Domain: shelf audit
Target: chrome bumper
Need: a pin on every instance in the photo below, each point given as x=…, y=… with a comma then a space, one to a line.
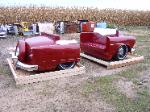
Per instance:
x=23, y=66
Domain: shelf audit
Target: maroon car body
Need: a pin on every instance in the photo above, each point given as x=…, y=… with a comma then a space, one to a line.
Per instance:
x=106, y=47
x=45, y=52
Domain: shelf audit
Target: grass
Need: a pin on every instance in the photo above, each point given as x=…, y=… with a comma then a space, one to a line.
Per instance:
x=4, y=70
x=110, y=94
x=104, y=86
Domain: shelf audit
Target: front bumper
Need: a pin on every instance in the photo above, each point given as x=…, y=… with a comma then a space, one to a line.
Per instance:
x=23, y=66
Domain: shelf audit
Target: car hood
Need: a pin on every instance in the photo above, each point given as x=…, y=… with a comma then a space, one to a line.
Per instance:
x=39, y=41
x=122, y=38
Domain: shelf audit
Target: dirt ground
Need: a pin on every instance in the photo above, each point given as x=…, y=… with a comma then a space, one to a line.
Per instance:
x=59, y=95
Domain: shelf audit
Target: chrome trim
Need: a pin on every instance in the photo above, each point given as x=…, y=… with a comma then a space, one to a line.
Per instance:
x=111, y=44
x=23, y=66
x=14, y=57
x=26, y=66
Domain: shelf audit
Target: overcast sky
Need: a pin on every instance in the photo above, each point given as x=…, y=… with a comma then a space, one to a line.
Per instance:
x=117, y=4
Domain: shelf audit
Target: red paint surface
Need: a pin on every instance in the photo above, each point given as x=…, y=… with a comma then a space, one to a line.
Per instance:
x=104, y=47
x=88, y=26
x=44, y=52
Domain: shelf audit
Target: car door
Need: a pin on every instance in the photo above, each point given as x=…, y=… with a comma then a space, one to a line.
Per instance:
x=99, y=44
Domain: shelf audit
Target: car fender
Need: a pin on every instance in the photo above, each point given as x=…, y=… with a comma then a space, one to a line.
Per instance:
x=22, y=48
x=114, y=47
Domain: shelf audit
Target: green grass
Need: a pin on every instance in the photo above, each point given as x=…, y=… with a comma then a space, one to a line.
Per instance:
x=4, y=70
x=105, y=87
x=110, y=94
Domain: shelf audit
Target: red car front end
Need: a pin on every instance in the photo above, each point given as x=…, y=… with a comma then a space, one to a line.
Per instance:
x=104, y=46
x=43, y=53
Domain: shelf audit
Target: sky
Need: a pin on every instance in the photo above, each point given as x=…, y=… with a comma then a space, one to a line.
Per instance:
x=101, y=4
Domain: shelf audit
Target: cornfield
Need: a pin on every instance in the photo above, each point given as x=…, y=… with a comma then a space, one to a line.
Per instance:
x=42, y=14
